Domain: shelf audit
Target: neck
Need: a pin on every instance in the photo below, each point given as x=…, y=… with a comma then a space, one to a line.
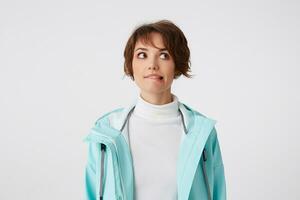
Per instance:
x=157, y=112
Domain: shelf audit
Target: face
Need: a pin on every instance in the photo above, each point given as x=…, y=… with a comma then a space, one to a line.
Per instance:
x=149, y=60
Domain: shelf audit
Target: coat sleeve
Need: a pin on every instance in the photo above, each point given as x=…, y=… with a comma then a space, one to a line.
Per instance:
x=90, y=173
x=219, y=190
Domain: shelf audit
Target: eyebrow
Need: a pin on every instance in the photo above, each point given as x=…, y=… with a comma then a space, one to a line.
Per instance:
x=145, y=49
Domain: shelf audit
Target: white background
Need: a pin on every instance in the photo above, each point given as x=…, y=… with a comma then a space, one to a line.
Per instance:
x=61, y=67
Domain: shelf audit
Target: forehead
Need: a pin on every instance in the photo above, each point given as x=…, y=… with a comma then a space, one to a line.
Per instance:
x=152, y=39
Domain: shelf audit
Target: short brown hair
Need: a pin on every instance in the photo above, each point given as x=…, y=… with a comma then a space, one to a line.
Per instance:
x=173, y=39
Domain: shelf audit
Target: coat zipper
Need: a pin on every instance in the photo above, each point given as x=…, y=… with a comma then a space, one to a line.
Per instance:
x=115, y=146
x=205, y=174
x=103, y=149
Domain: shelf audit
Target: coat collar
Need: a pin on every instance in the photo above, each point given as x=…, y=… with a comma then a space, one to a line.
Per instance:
x=118, y=117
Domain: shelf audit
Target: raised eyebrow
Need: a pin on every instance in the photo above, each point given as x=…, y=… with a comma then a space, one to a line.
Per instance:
x=145, y=49
x=141, y=49
x=163, y=49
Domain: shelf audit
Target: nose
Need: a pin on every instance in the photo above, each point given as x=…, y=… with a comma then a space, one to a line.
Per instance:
x=153, y=65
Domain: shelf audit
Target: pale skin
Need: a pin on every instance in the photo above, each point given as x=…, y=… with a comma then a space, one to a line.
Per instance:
x=150, y=60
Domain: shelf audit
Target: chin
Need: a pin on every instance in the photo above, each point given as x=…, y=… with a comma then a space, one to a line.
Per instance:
x=153, y=91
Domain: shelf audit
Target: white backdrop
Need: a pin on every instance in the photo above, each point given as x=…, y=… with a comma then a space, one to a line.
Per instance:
x=61, y=67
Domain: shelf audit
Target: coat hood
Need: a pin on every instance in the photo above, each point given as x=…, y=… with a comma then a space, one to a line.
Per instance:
x=116, y=119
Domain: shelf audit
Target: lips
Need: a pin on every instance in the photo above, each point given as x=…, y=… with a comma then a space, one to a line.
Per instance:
x=154, y=76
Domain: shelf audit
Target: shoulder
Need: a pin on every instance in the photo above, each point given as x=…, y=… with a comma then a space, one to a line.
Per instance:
x=107, y=115
x=196, y=112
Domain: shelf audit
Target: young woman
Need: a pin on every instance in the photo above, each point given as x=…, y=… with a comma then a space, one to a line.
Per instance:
x=157, y=147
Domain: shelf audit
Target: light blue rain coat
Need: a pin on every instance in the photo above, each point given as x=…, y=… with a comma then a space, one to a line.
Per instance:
x=109, y=170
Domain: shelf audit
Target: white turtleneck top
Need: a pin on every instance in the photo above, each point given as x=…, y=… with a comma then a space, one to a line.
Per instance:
x=154, y=136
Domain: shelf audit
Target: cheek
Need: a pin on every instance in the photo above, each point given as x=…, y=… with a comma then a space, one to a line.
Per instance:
x=170, y=74
x=135, y=63
x=170, y=70
x=134, y=67
x=136, y=70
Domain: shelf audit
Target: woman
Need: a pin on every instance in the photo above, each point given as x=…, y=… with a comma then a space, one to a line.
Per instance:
x=157, y=147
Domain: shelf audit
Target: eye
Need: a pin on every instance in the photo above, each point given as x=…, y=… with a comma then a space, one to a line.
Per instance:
x=165, y=55
x=141, y=53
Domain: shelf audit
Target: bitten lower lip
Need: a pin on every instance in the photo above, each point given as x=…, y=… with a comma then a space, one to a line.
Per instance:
x=154, y=78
